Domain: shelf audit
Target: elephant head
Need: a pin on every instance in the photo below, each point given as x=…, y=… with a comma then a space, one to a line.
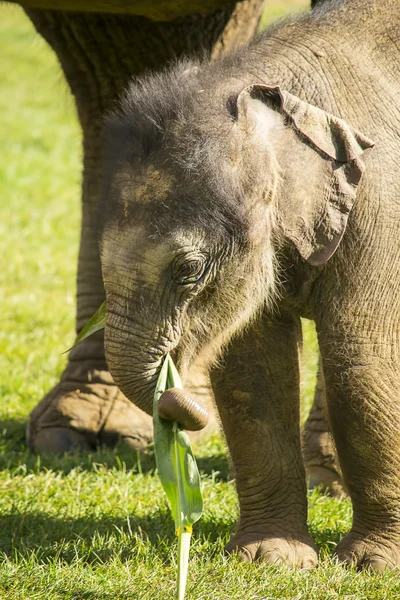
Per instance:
x=206, y=186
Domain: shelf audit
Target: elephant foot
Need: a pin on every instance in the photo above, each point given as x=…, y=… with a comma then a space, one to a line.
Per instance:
x=320, y=459
x=292, y=551
x=371, y=551
x=322, y=467
x=326, y=477
x=86, y=410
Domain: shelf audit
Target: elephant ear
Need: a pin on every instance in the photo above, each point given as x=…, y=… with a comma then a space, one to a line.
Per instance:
x=317, y=221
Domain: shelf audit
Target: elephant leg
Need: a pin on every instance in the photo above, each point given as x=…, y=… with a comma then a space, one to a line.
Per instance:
x=362, y=371
x=319, y=453
x=256, y=387
x=99, y=54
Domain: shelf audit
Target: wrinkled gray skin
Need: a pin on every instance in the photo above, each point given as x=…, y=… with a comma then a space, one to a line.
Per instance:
x=231, y=209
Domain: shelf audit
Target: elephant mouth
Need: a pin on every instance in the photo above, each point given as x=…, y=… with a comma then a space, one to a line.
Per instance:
x=182, y=359
x=174, y=354
x=139, y=387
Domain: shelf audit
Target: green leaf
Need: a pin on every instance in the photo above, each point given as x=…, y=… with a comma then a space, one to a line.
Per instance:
x=95, y=323
x=177, y=470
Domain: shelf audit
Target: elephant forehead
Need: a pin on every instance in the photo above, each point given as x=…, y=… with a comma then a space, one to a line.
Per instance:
x=141, y=186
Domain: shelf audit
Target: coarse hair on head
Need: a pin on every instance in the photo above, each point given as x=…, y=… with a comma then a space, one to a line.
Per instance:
x=185, y=120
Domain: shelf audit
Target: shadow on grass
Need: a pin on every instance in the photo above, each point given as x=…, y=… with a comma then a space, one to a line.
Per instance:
x=14, y=454
x=94, y=539
x=97, y=540
x=84, y=594
x=80, y=593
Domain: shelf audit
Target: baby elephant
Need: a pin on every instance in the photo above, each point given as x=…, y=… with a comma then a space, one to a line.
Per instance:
x=240, y=196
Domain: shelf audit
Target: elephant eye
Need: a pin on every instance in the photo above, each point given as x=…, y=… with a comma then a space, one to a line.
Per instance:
x=189, y=270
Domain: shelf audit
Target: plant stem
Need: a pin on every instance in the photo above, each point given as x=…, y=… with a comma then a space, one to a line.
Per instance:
x=183, y=536
x=183, y=563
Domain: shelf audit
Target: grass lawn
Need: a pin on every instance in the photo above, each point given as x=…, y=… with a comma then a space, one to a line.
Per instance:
x=97, y=527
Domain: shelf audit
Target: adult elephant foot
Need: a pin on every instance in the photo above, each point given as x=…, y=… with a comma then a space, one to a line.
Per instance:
x=86, y=409
x=320, y=458
x=97, y=413
x=292, y=551
x=375, y=551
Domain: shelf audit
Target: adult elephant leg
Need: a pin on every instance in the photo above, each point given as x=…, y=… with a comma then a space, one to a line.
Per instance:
x=319, y=453
x=99, y=54
x=257, y=393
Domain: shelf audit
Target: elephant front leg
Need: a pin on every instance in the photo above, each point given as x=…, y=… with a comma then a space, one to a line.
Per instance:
x=362, y=375
x=257, y=393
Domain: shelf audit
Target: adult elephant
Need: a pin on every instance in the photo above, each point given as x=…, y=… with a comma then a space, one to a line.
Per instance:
x=99, y=53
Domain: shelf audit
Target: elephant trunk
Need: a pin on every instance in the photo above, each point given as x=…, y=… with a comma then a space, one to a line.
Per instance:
x=135, y=368
x=176, y=405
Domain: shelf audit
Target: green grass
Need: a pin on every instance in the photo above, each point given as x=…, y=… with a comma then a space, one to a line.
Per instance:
x=97, y=526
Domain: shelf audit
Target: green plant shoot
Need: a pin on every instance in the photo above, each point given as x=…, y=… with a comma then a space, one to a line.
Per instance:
x=95, y=323
x=178, y=472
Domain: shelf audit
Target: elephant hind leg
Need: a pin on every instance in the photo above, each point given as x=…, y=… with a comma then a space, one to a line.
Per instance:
x=319, y=453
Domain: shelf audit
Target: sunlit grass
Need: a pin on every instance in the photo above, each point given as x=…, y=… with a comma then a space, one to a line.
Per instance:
x=97, y=526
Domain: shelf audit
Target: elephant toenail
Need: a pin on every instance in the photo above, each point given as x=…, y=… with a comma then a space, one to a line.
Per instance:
x=377, y=563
